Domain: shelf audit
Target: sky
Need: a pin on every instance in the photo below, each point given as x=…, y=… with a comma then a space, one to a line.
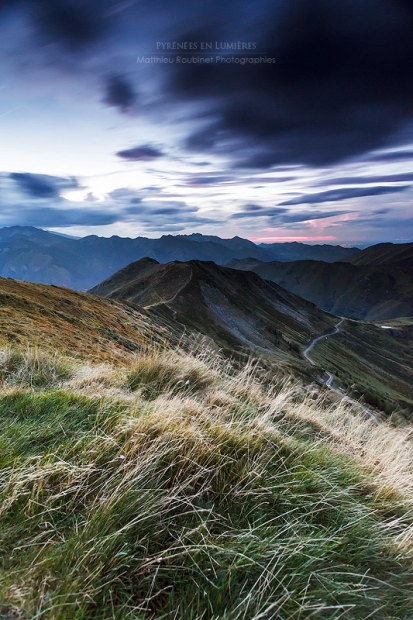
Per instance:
x=277, y=120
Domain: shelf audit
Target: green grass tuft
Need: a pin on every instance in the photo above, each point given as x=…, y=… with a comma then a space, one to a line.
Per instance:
x=166, y=372
x=34, y=368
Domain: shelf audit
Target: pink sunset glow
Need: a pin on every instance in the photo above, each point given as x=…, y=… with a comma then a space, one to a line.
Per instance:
x=295, y=238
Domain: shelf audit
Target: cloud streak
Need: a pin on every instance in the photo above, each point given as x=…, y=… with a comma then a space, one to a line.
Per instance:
x=279, y=215
x=336, y=195
x=42, y=185
x=146, y=152
x=405, y=177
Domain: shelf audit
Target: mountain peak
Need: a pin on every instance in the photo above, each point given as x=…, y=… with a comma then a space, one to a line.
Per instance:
x=237, y=309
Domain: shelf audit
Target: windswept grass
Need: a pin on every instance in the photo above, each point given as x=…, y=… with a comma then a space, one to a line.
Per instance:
x=34, y=368
x=156, y=372
x=176, y=487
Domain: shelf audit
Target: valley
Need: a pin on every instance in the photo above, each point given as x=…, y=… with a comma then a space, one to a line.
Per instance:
x=359, y=288
x=241, y=312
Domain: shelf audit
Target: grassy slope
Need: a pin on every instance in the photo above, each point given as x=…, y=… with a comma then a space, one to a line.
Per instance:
x=375, y=362
x=175, y=487
x=72, y=322
x=167, y=484
x=84, y=326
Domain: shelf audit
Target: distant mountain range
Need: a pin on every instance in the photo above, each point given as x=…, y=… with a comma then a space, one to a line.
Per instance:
x=373, y=284
x=32, y=254
x=284, y=252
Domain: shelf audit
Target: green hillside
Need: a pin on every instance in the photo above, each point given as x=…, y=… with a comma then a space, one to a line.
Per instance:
x=361, y=291
x=373, y=363
x=383, y=254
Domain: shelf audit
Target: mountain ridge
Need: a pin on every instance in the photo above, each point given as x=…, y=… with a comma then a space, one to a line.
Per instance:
x=294, y=250
x=383, y=254
x=240, y=307
x=28, y=253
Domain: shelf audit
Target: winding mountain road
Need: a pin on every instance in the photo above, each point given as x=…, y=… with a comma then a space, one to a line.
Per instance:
x=329, y=381
x=305, y=353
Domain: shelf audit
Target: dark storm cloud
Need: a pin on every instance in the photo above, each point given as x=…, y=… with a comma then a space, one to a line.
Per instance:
x=278, y=215
x=77, y=24
x=140, y=153
x=42, y=185
x=341, y=83
x=72, y=23
x=384, y=178
x=335, y=195
x=119, y=93
x=67, y=34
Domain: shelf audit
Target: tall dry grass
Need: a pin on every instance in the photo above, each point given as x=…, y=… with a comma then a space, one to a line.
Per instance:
x=180, y=487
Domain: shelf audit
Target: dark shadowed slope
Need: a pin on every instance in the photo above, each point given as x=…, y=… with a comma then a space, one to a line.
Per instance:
x=300, y=251
x=366, y=292
x=235, y=308
x=397, y=254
